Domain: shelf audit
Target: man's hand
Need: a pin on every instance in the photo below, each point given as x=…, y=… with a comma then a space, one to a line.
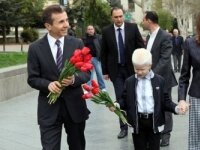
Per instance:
x=68, y=81
x=54, y=87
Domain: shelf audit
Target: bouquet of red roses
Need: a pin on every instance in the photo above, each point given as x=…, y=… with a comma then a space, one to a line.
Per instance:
x=80, y=61
x=102, y=97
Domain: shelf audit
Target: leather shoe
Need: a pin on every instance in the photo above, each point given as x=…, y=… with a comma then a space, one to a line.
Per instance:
x=122, y=134
x=164, y=143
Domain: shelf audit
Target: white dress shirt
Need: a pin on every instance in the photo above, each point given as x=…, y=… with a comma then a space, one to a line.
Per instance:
x=152, y=39
x=53, y=46
x=145, y=94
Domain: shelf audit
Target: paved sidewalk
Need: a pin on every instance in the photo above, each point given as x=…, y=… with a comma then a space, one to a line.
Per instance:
x=19, y=129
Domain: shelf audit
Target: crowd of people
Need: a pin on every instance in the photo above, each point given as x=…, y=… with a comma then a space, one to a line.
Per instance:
x=141, y=73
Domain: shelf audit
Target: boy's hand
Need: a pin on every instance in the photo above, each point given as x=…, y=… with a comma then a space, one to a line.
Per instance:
x=183, y=107
x=113, y=108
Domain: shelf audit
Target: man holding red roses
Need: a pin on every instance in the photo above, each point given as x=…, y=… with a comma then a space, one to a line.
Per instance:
x=46, y=58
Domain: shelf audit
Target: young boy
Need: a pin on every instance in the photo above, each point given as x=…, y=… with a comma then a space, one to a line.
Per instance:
x=145, y=102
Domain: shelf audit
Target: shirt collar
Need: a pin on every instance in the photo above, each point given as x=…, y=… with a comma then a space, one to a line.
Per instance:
x=52, y=40
x=154, y=33
x=148, y=76
x=122, y=27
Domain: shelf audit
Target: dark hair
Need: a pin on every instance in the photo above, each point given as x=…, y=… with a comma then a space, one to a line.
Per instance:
x=152, y=15
x=47, y=13
x=198, y=28
x=115, y=8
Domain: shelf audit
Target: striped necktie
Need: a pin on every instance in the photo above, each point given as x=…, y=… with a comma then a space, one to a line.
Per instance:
x=58, y=56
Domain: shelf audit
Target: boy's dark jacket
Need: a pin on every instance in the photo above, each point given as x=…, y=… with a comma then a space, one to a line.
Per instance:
x=162, y=102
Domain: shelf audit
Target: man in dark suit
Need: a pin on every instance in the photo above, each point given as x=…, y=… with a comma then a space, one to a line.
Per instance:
x=177, y=51
x=160, y=45
x=119, y=40
x=43, y=72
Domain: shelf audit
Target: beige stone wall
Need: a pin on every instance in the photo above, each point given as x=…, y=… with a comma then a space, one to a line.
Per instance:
x=13, y=82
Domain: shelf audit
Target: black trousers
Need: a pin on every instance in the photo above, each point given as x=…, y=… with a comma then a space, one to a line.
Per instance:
x=166, y=133
x=146, y=136
x=177, y=62
x=51, y=134
x=118, y=84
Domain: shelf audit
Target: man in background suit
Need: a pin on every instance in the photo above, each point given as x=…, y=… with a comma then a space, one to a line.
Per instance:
x=160, y=45
x=119, y=40
x=177, y=51
x=43, y=72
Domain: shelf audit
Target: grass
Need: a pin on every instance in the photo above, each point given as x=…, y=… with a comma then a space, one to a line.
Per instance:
x=12, y=58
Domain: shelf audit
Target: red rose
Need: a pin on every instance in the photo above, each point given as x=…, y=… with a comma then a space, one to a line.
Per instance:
x=85, y=50
x=78, y=58
x=95, y=91
x=87, y=87
x=78, y=64
x=77, y=52
x=87, y=96
x=88, y=66
x=72, y=60
x=87, y=57
x=94, y=84
x=83, y=69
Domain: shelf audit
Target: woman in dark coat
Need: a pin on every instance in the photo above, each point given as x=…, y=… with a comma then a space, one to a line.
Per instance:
x=191, y=71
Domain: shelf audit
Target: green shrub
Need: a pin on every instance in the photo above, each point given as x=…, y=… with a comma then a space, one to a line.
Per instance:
x=29, y=35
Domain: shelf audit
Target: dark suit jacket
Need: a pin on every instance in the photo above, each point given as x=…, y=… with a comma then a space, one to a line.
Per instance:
x=191, y=61
x=162, y=102
x=42, y=70
x=177, y=47
x=109, y=53
x=161, y=58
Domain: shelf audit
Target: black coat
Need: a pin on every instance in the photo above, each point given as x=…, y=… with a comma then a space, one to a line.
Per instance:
x=109, y=53
x=162, y=102
x=191, y=66
x=97, y=40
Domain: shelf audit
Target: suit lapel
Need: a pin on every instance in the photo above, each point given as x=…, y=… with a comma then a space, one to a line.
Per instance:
x=48, y=54
x=125, y=35
x=156, y=41
x=68, y=49
x=147, y=39
x=113, y=38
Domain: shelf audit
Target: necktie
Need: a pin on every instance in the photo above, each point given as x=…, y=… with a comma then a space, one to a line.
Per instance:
x=58, y=56
x=121, y=46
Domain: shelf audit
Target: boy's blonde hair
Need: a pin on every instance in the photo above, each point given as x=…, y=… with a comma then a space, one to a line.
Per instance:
x=141, y=56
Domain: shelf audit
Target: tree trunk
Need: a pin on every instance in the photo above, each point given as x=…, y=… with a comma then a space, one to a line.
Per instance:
x=16, y=34
x=137, y=3
x=4, y=38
